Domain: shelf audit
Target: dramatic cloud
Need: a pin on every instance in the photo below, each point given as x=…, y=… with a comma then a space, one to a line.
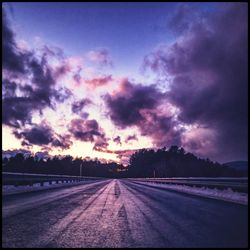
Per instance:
x=163, y=129
x=18, y=110
x=42, y=134
x=208, y=66
x=89, y=131
x=85, y=130
x=38, y=135
x=77, y=107
x=195, y=95
x=12, y=58
x=39, y=91
x=100, y=56
x=62, y=94
x=8, y=88
x=126, y=105
x=62, y=141
x=138, y=105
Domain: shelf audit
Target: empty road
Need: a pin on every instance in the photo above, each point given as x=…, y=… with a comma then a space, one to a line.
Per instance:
x=120, y=213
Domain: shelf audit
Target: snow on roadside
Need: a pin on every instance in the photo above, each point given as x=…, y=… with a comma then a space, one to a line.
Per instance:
x=225, y=195
x=11, y=189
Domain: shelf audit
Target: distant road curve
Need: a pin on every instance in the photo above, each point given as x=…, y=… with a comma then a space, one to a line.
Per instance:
x=120, y=213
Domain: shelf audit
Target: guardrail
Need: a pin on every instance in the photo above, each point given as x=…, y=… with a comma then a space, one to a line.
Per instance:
x=18, y=179
x=236, y=184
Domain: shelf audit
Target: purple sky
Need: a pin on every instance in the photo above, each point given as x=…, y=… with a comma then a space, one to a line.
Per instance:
x=104, y=79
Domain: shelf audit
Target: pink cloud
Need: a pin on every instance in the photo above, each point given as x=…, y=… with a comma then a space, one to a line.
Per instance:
x=98, y=81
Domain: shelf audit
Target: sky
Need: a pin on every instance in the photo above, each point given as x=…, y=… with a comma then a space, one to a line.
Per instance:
x=105, y=79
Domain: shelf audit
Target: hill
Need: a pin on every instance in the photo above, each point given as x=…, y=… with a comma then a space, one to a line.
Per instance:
x=238, y=165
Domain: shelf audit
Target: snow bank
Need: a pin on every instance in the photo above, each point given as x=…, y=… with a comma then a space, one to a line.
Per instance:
x=10, y=189
x=226, y=194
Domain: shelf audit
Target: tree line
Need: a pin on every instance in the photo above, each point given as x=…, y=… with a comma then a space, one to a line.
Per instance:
x=174, y=162
x=59, y=166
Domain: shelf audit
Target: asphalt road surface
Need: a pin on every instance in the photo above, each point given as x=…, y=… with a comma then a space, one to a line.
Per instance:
x=120, y=213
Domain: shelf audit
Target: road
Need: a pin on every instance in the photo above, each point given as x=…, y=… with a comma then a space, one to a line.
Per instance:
x=120, y=213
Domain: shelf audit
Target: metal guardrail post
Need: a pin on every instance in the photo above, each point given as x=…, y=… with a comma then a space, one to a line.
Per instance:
x=29, y=179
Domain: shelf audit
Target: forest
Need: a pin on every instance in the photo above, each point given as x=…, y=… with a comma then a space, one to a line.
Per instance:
x=172, y=162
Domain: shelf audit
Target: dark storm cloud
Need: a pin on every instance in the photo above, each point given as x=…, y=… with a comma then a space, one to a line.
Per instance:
x=62, y=94
x=38, y=135
x=41, y=72
x=137, y=105
x=38, y=92
x=8, y=88
x=12, y=58
x=84, y=130
x=61, y=70
x=42, y=134
x=62, y=141
x=162, y=129
x=89, y=131
x=77, y=106
x=17, y=111
x=209, y=68
x=125, y=107
x=44, y=78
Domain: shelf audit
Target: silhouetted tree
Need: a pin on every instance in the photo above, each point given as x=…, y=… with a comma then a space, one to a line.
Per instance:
x=174, y=162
